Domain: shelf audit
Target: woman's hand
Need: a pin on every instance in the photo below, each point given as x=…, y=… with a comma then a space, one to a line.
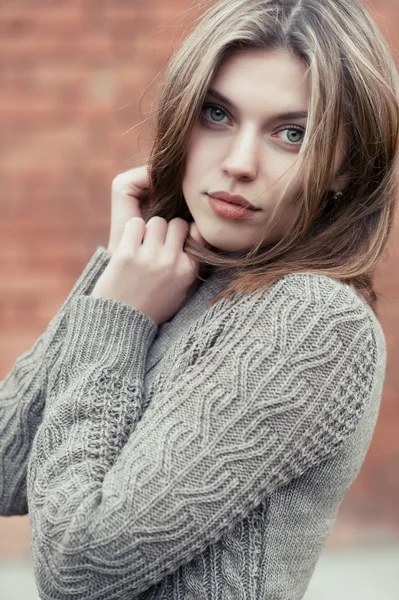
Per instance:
x=149, y=269
x=128, y=200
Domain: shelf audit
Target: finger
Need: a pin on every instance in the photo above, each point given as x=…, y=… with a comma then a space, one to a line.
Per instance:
x=155, y=232
x=132, y=187
x=178, y=230
x=133, y=234
x=136, y=180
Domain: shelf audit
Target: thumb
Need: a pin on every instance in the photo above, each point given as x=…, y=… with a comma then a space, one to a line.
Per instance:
x=195, y=234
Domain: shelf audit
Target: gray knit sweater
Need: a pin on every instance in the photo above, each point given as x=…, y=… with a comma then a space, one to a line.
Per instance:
x=204, y=459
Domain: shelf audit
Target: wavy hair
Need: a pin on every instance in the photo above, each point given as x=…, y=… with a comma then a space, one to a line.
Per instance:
x=354, y=85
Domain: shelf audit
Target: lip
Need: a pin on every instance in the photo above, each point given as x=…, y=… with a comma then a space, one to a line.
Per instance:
x=230, y=211
x=233, y=199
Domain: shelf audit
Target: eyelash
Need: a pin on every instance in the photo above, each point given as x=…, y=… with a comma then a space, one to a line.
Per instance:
x=291, y=127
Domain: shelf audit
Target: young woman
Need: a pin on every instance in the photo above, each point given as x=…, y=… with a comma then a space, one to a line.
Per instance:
x=189, y=423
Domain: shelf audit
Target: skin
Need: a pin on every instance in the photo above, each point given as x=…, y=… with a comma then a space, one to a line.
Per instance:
x=241, y=149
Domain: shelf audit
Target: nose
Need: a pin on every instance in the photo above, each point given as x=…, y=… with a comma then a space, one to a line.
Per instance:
x=241, y=161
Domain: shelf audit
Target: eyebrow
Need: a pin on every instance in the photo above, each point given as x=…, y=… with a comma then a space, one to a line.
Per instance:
x=301, y=114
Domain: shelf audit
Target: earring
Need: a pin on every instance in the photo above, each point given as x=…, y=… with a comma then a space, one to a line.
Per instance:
x=338, y=196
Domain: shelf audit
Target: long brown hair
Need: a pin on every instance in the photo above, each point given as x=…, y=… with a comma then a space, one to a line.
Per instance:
x=354, y=84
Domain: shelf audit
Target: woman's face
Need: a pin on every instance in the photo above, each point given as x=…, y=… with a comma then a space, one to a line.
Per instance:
x=245, y=143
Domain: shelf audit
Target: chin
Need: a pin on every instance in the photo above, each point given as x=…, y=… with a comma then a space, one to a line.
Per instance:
x=217, y=243
x=218, y=235
x=231, y=248
x=228, y=248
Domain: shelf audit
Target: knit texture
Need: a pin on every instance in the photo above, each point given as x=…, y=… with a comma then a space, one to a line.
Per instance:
x=205, y=458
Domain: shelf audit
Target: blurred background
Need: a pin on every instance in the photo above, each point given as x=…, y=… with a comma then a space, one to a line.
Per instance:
x=78, y=79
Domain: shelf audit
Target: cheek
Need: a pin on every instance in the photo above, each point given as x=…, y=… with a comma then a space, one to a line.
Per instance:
x=197, y=158
x=191, y=162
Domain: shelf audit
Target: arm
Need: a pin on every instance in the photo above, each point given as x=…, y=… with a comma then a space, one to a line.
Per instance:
x=262, y=391
x=23, y=394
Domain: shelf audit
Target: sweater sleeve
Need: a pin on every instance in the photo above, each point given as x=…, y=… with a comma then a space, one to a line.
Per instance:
x=23, y=394
x=119, y=498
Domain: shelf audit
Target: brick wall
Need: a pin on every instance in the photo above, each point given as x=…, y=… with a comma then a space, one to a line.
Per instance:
x=72, y=81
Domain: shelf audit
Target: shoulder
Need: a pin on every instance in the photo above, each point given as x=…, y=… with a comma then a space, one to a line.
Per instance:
x=308, y=306
x=315, y=310
x=320, y=289
x=322, y=313
x=324, y=296
x=336, y=299
x=318, y=294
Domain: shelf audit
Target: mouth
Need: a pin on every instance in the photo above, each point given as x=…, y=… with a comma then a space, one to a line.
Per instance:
x=233, y=199
x=230, y=210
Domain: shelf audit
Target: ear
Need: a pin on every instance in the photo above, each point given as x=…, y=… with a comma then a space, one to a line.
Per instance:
x=340, y=182
x=342, y=174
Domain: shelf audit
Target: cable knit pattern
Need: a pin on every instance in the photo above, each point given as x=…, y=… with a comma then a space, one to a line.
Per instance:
x=170, y=460
x=23, y=393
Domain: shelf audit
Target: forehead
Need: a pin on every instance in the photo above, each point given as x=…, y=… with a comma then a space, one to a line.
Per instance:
x=263, y=83
x=273, y=78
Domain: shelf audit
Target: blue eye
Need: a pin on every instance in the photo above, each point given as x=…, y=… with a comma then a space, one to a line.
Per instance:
x=214, y=108
x=217, y=114
x=297, y=130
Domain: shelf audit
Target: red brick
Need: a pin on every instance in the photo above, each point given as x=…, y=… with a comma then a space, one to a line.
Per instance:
x=14, y=536
x=29, y=22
